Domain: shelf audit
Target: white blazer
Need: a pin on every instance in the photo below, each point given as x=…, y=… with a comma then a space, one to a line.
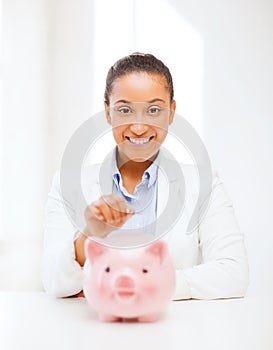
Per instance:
x=210, y=261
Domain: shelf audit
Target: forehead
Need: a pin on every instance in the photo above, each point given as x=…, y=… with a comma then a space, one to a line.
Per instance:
x=140, y=87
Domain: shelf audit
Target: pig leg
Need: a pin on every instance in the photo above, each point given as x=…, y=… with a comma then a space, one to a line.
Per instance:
x=108, y=318
x=148, y=318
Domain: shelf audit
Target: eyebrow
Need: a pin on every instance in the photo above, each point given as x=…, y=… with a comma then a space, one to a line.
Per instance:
x=151, y=101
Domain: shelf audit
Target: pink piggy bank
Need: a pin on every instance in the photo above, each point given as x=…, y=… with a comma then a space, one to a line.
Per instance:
x=128, y=283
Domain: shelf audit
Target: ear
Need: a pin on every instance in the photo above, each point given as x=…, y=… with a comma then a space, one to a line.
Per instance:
x=158, y=249
x=172, y=111
x=107, y=113
x=93, y=250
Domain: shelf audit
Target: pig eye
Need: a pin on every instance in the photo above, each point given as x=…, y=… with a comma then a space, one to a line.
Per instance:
x=107, y=269
x=144, y=270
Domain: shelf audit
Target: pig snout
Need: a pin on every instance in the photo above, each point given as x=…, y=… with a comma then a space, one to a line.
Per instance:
x=124, y=288
x=125, y=282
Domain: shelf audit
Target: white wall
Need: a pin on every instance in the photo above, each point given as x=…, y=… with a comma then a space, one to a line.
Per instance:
x=23, y=141
x=46, y=84
x=238, y=114
x=71, y=71
x=24, y=85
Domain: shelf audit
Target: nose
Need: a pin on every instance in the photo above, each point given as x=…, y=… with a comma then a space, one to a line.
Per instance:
x=139, y=128
x=124, y=282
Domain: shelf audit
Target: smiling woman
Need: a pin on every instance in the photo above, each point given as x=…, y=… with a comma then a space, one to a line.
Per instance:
x=139, y=106
x=211, y=261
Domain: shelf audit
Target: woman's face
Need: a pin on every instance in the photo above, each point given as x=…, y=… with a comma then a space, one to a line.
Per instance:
x=140, y=112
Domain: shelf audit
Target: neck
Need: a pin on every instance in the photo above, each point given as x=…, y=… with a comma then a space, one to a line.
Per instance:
x=132, y=168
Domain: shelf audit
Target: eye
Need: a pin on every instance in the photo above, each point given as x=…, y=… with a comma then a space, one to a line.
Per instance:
x=144, y=270
x=107, y=269
x=124, y=110
x=154, y=110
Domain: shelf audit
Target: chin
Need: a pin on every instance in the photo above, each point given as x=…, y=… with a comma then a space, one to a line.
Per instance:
x=139, y=156
x=142, y=158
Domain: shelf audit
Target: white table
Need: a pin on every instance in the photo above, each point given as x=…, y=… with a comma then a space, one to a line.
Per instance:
x=34, y=320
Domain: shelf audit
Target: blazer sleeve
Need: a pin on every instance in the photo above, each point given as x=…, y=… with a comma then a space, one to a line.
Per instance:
x=223, y=271
x=62, y=275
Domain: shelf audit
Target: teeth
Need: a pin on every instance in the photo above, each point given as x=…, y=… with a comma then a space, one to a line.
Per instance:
x=139, y=141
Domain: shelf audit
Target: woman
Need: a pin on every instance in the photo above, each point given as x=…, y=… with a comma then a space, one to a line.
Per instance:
x=210, y=262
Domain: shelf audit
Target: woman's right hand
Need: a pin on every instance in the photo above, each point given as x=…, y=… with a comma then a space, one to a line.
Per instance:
x=106, y=214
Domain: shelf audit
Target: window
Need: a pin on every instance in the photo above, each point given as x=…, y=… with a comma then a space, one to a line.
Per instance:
x=155, y=27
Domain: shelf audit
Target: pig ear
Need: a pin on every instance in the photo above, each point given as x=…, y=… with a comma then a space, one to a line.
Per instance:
x=159, y=249
x=93, y=250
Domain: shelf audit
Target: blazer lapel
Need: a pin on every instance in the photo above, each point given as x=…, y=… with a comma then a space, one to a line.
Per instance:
x=170, y=182
x=163, y=192
x=97, y=180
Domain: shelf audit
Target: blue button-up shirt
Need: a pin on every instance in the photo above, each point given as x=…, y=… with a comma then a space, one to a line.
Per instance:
x=143, y=200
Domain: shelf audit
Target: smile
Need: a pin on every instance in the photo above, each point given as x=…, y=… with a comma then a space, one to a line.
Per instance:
x=139, y=141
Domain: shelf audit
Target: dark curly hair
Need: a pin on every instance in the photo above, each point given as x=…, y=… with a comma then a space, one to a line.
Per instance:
x=137, y=62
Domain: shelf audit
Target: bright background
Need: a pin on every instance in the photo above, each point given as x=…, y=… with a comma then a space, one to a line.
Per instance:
x=54, y=58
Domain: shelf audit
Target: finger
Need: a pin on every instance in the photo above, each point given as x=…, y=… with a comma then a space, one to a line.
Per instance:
x=96, y=211
x=110, y=209
x=125, y=208
x=123, y=205
x=113, y=205
x=120, y=205
x=126, y=211
x=92, y=211
x=122, y=209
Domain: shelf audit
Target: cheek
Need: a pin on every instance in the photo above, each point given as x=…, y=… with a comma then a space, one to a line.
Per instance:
x=104, y=282
x=149, y=285
x=162, y=133
x=117, y=133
